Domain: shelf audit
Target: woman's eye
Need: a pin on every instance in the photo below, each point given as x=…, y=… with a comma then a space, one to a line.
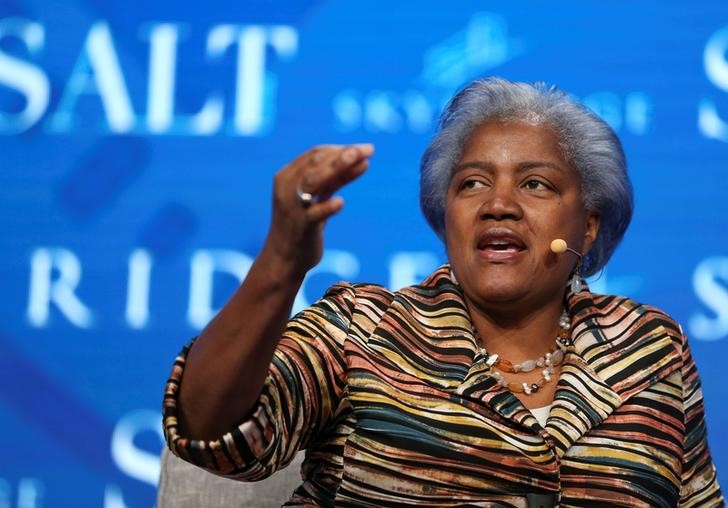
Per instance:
x=536, y=185
x=471, y=183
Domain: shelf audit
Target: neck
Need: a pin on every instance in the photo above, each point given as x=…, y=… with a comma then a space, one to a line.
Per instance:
x=517, y=334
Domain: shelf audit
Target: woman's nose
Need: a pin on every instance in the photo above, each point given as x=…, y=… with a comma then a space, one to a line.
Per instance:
x=501, y=204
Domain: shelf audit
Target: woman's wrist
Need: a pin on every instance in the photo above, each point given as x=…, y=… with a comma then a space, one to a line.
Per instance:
x=280, y=269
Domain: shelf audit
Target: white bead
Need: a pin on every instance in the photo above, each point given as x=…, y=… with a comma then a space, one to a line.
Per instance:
x=558, y=357
x=528, y=366
x=564, y=322
x=527, y=388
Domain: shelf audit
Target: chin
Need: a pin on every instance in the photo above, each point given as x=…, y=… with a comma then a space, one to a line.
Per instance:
x=499, y=293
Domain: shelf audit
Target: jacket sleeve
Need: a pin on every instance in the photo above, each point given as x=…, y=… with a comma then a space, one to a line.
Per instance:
x=699, y=484
x=301, y=395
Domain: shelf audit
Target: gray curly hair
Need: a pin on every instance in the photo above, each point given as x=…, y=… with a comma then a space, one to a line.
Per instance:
x=589, y=144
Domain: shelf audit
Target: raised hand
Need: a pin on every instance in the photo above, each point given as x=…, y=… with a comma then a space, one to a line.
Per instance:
x=302, y=201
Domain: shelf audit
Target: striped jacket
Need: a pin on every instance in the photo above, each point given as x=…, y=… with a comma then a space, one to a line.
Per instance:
x=391, y=398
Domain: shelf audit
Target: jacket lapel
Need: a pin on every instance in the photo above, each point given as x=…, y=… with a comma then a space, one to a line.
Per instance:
x=619, y=348
x=582, y=401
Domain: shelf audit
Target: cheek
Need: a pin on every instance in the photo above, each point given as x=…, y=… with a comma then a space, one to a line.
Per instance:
x=571, y=221
x=454, y=243
x=453, y=226
x=456, y=240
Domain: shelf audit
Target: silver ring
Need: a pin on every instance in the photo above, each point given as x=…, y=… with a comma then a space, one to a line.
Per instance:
x=305, y=198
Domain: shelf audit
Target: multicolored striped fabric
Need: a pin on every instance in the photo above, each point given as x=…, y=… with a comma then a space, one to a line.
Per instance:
x=395, y=406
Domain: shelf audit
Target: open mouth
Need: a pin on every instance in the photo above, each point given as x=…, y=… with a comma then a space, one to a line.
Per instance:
x=504, y=242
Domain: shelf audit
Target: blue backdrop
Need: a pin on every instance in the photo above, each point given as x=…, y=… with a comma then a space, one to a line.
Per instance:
x=137, y=145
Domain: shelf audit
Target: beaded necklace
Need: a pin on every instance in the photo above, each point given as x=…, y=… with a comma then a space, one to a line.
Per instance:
x=546, y=362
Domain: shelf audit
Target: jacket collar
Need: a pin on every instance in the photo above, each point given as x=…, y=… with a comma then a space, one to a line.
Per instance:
x=619, y=348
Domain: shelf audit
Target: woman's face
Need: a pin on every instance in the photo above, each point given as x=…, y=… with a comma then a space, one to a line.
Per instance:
x=510, y=195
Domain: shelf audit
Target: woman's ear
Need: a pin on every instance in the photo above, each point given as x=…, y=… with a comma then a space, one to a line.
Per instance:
x=592, y=229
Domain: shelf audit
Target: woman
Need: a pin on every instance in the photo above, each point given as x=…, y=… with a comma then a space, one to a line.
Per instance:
x=499, y=380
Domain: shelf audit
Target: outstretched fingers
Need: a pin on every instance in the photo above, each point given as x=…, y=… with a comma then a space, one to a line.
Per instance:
x=303, y=200
x=330, y=168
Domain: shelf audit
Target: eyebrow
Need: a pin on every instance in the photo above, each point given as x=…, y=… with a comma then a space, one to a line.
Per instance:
x=522, y=166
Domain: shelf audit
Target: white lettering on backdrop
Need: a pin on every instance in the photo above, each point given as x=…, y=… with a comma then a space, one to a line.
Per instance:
x=99, y=72
x=56, y=277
